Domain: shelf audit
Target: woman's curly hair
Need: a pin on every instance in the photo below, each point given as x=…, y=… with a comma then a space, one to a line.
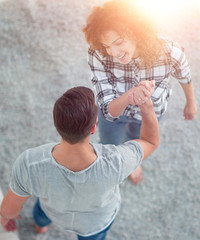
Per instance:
x=127, y=19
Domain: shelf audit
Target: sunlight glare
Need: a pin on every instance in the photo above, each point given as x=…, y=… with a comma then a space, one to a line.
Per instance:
x=198, y=3
x=162, y=8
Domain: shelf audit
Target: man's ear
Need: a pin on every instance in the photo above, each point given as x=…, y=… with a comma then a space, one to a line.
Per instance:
x=94, y=127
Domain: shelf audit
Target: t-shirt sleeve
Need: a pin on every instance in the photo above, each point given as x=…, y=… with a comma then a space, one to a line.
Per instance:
x=20, y=181
x=131, y=155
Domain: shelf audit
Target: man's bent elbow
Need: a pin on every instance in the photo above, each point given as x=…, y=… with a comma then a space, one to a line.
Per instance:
x=156, y=144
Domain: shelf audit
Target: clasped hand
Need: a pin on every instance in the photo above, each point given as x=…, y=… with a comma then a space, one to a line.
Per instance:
x=142, y=93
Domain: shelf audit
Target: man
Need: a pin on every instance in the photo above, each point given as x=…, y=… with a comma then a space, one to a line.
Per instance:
x=76, y=182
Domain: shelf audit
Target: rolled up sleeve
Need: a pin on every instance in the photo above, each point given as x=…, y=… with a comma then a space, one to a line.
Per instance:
x=180, y=65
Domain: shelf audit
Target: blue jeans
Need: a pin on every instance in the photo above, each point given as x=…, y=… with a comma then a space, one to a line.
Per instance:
x=99, y=236
x=39, y=215
x=119, y=131
x=42, y=220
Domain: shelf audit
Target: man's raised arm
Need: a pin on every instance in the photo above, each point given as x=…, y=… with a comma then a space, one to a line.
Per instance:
x=149, y=132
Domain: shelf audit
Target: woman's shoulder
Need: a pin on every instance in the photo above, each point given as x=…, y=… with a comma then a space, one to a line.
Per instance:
x=170, y=45
x=94, y=53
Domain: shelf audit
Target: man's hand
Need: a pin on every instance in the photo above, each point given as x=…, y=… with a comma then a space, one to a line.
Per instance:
x=9, y=224
x=10, y=210
x=141, y=93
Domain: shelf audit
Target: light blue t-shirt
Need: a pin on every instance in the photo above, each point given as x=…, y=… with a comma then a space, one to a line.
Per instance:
x=84, y=202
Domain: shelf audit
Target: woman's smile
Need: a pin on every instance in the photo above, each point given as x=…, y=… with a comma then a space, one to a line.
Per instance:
x=120, y=48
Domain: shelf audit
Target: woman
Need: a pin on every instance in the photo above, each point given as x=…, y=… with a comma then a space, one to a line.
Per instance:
x=125, y=50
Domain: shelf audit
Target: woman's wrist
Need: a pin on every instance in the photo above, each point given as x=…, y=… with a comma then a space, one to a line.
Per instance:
x=118, y=105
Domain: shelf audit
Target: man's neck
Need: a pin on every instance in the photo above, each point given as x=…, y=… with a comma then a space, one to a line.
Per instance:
x=75, y=157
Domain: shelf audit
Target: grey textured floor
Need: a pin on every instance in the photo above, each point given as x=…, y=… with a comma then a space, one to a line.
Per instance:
x=43, y=53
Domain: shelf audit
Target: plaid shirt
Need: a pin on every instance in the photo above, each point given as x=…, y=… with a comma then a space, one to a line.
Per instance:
x=111, y=79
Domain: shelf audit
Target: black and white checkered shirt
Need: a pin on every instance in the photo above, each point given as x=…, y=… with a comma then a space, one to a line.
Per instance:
x=111, y=79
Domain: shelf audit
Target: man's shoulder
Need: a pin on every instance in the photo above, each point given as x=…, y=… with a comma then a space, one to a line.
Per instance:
x=37, y=153
x=109, y=149
x=121, y=159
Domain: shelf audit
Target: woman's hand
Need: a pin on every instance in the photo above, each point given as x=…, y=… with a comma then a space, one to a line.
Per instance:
x=134, y=96
x=190, y=111
x=140, y=94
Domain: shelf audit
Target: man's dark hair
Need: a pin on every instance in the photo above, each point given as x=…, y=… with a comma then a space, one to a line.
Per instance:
x=74, y=114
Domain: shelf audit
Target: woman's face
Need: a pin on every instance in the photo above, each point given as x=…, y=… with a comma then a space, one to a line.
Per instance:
x=119, y=47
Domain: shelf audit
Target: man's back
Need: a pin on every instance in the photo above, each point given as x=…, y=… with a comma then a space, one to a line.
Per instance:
x=73, y=198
